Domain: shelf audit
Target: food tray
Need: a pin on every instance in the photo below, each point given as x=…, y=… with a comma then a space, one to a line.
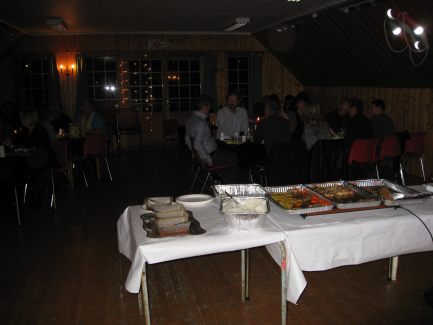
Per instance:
x=252, y=190
x=394, y=188
x=153, y=231
x=359, y=194
x=157, y=201
x=280, y=189
x=165, y=208
x=244, y=221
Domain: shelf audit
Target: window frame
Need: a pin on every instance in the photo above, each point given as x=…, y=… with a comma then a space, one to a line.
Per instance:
x=44, y=87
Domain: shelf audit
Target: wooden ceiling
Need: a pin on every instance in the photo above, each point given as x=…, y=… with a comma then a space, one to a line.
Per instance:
x=336, y=49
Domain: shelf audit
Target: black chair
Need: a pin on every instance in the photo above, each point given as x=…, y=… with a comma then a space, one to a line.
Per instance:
x=7, y=178
x=327, y=161
x=287, y=163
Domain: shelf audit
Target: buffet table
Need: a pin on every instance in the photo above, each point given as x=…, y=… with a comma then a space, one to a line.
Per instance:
x=323, y=242
x=135, y=245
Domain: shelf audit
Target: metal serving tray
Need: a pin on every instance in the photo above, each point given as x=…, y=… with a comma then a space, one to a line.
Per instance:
x=359, y=193
x=252, y=190
x=394, y=188
x=281, y=189
x=245, y=220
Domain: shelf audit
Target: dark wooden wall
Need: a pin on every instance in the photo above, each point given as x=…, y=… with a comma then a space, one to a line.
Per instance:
x=276, y=78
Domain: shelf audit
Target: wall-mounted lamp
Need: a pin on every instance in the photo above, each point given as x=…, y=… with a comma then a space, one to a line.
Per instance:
x=67, y=71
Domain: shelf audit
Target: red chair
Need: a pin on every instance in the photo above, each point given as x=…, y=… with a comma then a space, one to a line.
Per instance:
x=363, y=153
x=414, y=148
x=128, y=123
x=390, y=151
x=95, y=146
x=60, y=148
x=203, y=165
x=169, y=134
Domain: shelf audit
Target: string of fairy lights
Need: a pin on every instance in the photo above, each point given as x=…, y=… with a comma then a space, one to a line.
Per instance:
x=125, y=85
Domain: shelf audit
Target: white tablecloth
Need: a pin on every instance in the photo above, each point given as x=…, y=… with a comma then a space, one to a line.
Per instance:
x=140, y=249
x=324, y=242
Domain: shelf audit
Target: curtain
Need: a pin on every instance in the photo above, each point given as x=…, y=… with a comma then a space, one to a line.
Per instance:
x=209, y=77
x=255, y=80
x=54, y=93
x=20, y=95
x=80, y=75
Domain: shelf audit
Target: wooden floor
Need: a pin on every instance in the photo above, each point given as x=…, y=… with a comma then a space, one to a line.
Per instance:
x=63, y=267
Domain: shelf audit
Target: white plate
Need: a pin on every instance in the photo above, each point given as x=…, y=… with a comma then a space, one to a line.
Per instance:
x=194, y=199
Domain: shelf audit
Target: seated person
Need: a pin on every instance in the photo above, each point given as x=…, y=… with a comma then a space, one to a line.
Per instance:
x=358, y=125
x=11, y=115
x=273, y=128
x=297, y=106
x=232, y=118
x=31, y=167
x=337, y=118
x=58, y=119
x=93, y=120
x=44, y=120
x=315, y=126
x=382, y=124
x=197, y=127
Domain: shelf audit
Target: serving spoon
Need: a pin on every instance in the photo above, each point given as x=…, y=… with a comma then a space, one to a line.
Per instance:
x=232, y=197
x=398, y=196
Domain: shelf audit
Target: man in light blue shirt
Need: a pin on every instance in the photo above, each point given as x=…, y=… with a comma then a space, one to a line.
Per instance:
x=197, y=127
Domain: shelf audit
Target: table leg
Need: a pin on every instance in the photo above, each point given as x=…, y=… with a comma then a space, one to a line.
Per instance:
x=98, y=170
x=70, y=174
x=144, y=300
x=283, y=285
x=392, y=268
x=243, y=273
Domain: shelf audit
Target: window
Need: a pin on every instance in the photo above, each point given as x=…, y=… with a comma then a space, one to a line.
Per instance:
x=101, y=78
x=183, y=83
x=145, y=85
x=238, y=75
x=35, y=80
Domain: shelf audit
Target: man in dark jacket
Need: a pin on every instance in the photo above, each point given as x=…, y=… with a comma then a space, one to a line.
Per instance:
x=358, y=126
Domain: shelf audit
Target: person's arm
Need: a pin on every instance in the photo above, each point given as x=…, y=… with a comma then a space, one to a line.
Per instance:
x=245, y=125
x=199, y=135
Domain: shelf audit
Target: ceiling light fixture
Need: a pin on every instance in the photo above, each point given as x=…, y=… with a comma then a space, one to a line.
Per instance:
x=293, y=0
x=57, y=24
x=239, y=23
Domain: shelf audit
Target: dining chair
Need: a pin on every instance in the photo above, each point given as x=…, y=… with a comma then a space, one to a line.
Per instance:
x=95, y=146
x=362, y=154
x=60, y=147
x=390, y=151
x=414, y=148
x=8, y=178
x=211, y=170
x=128, y=123
x=169, y=134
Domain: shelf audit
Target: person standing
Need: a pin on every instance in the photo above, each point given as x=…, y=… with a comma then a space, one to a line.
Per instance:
x=232, y=118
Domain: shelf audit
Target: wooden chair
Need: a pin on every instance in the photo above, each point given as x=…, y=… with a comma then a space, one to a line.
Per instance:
x=391, y=151
x=414, y=148
x=203, y=165
x=363, y=153
x=169, y=134
x=128, y=123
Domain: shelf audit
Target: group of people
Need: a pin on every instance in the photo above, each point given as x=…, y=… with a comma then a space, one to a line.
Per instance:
x=35, y=129
x=297, y=118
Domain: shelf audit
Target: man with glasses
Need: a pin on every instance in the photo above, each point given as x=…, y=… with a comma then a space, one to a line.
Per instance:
x=358, y=126
x=337, y=119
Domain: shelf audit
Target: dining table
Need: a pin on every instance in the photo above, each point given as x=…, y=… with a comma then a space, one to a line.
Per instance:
x=315, y=243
